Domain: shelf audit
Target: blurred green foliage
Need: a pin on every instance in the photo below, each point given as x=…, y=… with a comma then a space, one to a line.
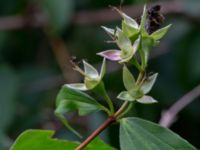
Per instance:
x=30, y=76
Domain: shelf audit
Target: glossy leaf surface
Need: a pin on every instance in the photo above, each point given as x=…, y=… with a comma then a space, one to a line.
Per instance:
x=139, y=134
x=42, y=140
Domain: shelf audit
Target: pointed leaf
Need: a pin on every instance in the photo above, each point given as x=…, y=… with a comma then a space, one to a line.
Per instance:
x=76, y=100
x=69, y=100
x=143, y=19
x=128, y=30
x=113, y=55
x=90, y=70
x=148, y=83
x=77, y=86
x=109, y=30
x=42, y=140
x=157, y=35
x=128, y=78
x=146, y=100
x=129, y=21
x=139, y=134
x=125, y=96
x=59, y=112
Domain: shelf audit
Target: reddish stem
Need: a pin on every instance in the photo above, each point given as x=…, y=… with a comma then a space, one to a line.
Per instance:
x=106, y=123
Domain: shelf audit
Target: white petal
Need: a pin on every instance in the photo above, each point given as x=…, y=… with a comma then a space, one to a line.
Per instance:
x=77, y=86
x=146, y=100
x=109, y=30
x=113, y=55
x=90, y=70
x=130, y=21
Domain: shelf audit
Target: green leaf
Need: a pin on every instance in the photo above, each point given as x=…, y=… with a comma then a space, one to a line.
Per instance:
x=143, y=21
x=148, y=83
x=128, y=78
x=76, y=100
x=139, y=134
x=42, y=140
x=98, y=144
x=69, y=100
x=59, y=13
x=109, y=30
x=146, y=100
x=125, y=96
x=157, y=35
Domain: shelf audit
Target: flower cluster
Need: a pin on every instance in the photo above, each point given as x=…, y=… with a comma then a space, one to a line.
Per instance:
x=134, y=44
x=132, y=38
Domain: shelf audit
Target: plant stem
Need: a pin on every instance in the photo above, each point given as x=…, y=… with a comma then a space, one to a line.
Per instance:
x=130, y=105
x=105, y=109
x=100, y=89
x=136, y=64
x=103, y=126
x=119, y=113
x=121, y=109
x=106, y=123
x=109, y=101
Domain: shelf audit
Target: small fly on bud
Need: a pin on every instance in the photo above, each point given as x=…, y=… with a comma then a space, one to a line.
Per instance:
x=155, y=19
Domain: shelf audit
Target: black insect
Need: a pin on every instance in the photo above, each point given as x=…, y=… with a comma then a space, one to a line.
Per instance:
x=154, y=19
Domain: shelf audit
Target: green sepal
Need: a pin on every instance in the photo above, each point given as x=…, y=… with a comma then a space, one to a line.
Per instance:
x=148, y=83
x=128, y=78
x=125, y=96
x=128, y=30
x=136, y=92
x=143, y=22
x=157, y=35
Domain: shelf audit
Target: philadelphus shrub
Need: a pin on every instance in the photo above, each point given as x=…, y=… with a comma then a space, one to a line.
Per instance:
x=134, y=41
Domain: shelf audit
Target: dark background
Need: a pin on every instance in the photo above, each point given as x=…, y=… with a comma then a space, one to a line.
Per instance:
x=37, y=39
